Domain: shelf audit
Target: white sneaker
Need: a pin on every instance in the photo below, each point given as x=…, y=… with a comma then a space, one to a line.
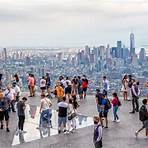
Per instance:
x=113, y=120
x=118, y=121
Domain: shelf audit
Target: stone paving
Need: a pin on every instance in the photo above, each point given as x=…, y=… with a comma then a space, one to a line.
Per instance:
x=117, y=135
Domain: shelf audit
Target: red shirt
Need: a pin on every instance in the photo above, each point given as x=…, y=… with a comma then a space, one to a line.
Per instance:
x=115, y=101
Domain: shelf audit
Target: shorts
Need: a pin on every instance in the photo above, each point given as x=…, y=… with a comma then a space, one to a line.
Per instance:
x=84, y=89
x=43, y=88
x=103, y=114
x=68, y=90
x=5, y=115
x=145, y=124
x=62, y=120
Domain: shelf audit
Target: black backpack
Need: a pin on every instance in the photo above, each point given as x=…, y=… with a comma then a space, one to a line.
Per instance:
x=142, y=113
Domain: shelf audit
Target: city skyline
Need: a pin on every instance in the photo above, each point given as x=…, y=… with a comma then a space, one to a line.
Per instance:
x=72, y=23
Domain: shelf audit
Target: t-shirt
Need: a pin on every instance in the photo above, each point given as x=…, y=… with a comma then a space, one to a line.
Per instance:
x=104, y=103
x=62, y=109
x=99, y=97
x=10, y=94
x=85, y=83
x=42, y=83
x=46, y=102
x=106, y=85
x=21, y=108
x=31, y=81
x=60, y=91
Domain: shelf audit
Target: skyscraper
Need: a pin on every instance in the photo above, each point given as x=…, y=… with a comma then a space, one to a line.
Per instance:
x=5, y=54
x=142, y=56
x=132, y=44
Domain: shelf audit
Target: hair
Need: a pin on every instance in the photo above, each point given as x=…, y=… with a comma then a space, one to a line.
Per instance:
x=70, y=101
x=75, y=103
x=43, y=95
x=137, y=83
x=24, y=98
x=64, y=98
x=16, y=77
x=144, y=101
x=43, y=77
x=96, y=118
x=97, y=90
x=104, y=77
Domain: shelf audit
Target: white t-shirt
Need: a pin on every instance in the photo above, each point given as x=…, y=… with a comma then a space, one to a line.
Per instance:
x=17, y=90
x=42, y=83
x=11, y=94
x=46, y=102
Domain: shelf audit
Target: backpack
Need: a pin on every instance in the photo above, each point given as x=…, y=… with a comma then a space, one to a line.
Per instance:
x=142, y=112
x=108, y=105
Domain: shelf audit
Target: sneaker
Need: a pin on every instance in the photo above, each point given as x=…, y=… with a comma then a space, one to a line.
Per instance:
x=118, y=121
x=136, y=133
x=23, y=132
x=113, y=120
x=2, y=126
x=7, y=130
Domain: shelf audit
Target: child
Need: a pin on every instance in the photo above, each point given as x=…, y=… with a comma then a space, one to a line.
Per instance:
x=116, y=103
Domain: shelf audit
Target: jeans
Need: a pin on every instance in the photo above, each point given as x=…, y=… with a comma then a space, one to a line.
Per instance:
x=45, y=117
x=21, y=122
x=115, y=109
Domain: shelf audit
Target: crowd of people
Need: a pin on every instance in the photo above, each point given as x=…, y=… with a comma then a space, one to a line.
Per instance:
x=67, y=91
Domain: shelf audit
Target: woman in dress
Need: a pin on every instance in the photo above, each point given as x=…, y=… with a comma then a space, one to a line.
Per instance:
x=125, y=87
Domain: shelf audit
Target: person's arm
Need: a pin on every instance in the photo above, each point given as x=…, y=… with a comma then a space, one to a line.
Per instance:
x=41, y=106
x=100, y=133
x=133, y=90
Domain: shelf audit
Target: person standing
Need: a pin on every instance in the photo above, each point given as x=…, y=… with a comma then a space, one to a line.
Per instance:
x=59, y=91
x=48, y=85
x=17, y=91
x=124, y=88
x=31, y=85
x=135, y=97
x=105, y=85
x=21, y=114
x=4, y=110
x=98, y=133
x=105, y=106
x=43, y=85
x=98, y=97
x=84, y=86
x=62, y=115
x=45, y=111
x=116, y=103
x=10, y=94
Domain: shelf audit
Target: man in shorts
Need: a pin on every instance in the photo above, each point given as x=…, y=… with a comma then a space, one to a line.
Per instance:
x=62, y=114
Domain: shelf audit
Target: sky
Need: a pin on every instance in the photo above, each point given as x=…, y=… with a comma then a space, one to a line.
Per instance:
x=72, y=23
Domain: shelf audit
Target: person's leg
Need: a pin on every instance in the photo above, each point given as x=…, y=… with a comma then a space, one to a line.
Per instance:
x=59, y=124
x=116, y=110
x=114, y=113
x=101, y=121
x=74, y=123
x=22, y=123
x=124, y=96
x=6, y=114
x=137, y=104
x=138, y=131
x=133, y=105
x=1, y=119
x=147, y=132
x=19, y=122
x=12, y=105
x=64, y=123
x=97, y=145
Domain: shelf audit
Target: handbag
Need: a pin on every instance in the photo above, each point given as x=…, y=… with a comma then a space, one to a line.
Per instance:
x=70, y=117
